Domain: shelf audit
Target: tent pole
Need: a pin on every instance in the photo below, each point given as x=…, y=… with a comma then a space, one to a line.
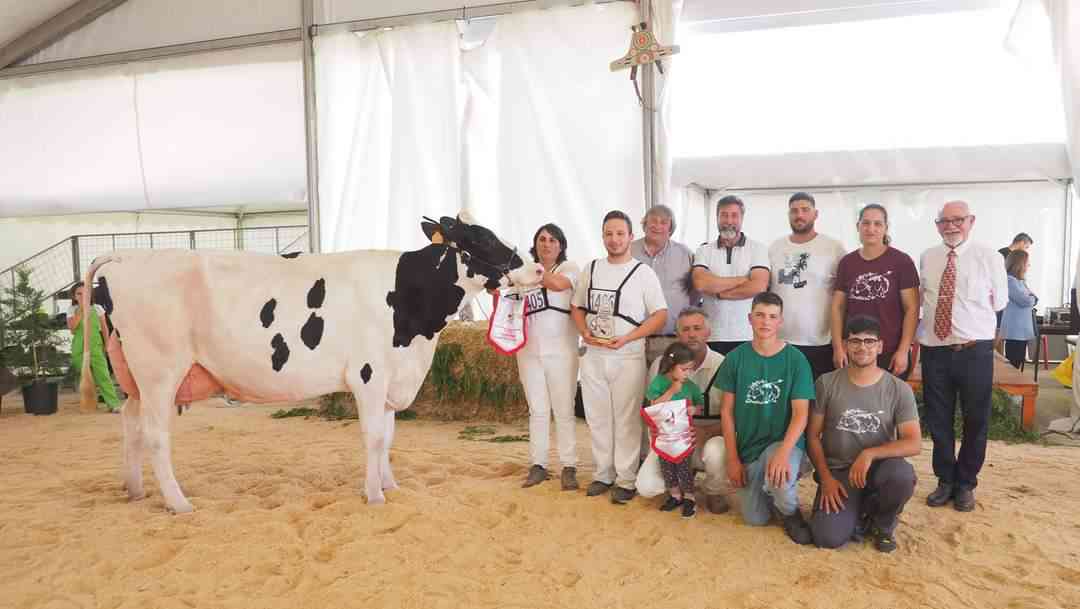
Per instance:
x=1070, y=217
x=307, y=8
x=648, y=118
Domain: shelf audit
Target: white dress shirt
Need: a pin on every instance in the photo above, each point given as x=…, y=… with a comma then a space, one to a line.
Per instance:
x=982, y=289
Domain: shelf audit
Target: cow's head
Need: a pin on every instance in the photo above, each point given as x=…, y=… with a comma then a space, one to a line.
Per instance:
x=482, y=253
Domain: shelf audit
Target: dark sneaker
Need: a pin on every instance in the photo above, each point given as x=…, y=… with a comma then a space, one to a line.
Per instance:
x=796, y=528
x=717, y=504
x=537, y=474
x=964, y=500
x=941, y=495
x=670, y=504
x=862, y=527
x=569, y=479
x=884, y=542
x=688, y=508
x=620, y=495
x=597, y=488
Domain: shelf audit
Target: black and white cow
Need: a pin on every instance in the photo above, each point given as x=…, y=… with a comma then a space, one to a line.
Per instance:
x=264, y=328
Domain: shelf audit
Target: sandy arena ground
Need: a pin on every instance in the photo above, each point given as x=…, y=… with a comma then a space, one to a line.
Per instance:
x=280, y=522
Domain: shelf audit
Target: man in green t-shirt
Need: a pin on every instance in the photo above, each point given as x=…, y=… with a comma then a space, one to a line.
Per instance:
x=767, y=387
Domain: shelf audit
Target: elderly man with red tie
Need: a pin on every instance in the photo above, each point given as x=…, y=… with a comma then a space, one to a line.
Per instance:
x=963, y=286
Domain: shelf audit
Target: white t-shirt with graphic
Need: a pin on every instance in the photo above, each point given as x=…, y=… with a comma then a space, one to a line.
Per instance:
x=640, y=297
x=804, y=275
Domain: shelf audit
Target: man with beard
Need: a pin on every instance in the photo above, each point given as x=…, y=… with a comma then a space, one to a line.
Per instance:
x=671, y=261
x=692, y=330
x=852, y=438
x=729, y=273
x=617, y=302
x=964, y=285
x=803, y=274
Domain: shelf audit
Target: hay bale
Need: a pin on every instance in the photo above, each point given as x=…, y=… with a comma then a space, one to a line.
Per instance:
x=468, y=380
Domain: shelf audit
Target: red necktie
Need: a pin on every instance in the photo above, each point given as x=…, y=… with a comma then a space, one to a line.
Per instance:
x=943, y=314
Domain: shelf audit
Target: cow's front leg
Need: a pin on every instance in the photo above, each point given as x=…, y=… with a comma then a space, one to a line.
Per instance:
x=133, y=449
x=370, y=394
x=388, y=482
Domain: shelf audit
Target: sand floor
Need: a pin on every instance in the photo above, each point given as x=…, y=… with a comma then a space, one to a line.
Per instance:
x=280, y=522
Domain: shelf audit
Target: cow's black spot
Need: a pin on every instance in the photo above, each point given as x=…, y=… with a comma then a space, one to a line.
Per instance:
x=365, y=373
x=425, y=293
x=312, y=331
x=317, y=294
x=266, y=315
x=281, y=352
x=291, y=255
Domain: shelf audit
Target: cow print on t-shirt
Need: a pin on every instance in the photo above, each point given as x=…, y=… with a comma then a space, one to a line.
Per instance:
x=311, y=332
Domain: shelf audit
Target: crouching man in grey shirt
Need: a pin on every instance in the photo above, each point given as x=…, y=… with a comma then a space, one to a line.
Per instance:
x=862, y=426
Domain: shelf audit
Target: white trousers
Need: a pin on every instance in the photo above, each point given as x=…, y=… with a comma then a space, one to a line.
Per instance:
x=710, y=458
x=612, y=389
x=550, y=383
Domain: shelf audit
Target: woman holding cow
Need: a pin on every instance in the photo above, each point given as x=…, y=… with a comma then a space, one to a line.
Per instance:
x=548, y=363
x=882, y=282
x=99, y=366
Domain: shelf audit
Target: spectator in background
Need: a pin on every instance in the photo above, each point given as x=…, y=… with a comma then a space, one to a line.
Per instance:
x=1017, y=327
x=879, y=281
x=803, y=275
x=671, y=261
x=1021, y=242
x=99, y=368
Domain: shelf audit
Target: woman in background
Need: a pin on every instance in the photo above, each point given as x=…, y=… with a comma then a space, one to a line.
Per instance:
x=1016, y=323
x=99, y=366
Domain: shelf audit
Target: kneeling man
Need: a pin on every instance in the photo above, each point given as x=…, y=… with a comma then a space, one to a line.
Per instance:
x=863, y=480
x=767, y=387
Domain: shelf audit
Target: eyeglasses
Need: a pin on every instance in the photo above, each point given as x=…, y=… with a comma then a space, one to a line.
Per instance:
x=864, y=342
x=953, y=221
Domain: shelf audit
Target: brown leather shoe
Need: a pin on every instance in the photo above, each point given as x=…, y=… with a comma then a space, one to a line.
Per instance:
x=569, y=479
x=537, y=474
x=964, y=500
x=717, y=504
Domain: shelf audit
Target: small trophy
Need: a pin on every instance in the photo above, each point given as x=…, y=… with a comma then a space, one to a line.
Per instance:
x=602, y=326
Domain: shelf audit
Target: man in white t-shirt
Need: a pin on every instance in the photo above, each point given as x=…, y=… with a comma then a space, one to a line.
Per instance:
x=617, y=302
x=729, y=273
x=803, y=274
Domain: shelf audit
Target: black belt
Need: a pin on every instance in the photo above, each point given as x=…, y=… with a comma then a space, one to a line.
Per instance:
x=959, y=346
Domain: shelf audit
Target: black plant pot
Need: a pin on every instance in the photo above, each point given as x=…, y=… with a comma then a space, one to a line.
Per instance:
x=39, y=397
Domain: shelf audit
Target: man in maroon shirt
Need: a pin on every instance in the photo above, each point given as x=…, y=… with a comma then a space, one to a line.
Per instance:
x=882, y=282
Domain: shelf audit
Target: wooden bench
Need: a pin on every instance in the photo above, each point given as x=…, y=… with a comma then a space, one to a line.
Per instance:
x=1008, y=379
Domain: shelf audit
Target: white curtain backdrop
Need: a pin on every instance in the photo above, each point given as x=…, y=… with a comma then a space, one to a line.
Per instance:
x=665, y=26
x=911, y=214
x=692, y=216
x=1065, y=28
x=390, y=108
x=567, y=144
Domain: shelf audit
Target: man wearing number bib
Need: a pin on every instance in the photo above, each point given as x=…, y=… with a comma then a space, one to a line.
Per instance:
x=617, y=303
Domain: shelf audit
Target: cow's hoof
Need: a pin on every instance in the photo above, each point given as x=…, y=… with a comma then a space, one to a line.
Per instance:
x=373, y=499
x=390, y=485
x=184, y=508
x=136, y=496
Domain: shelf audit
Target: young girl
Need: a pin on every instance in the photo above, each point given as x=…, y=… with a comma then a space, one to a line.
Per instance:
x=673, y=383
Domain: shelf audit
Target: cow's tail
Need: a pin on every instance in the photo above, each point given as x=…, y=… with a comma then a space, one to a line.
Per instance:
x=87, y=391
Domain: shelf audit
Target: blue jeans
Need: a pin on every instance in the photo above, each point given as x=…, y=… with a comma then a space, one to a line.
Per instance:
x=758, y=496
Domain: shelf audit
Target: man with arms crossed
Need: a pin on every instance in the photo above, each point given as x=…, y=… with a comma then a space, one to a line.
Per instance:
x=617, y=303
x=767, y=388
x=853, y=442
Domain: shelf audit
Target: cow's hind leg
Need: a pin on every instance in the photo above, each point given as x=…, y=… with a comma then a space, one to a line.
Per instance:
x=133, y=449
x=157, y=406
x=386, y=474
x=371, y=407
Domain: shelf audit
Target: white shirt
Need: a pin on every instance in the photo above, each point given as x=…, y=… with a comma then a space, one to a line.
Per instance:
x=982, y=289
x=641, y=296
x=803, y=274
x=549, y=330
x=728, y=318
x=701, y=377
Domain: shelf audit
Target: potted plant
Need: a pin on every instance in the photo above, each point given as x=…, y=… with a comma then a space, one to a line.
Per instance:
x=31, y=337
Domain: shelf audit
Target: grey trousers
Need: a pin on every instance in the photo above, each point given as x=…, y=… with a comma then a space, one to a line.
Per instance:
x=889, y=485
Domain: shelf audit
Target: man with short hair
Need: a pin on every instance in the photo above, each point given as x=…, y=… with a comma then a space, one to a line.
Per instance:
x=671, y=261
x=767, y=388
x=803, y=274
x=1022, y=241
x=692, y=330
x=617, y=302
x=729, y=273
x=964, y=284
x=862, y=425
